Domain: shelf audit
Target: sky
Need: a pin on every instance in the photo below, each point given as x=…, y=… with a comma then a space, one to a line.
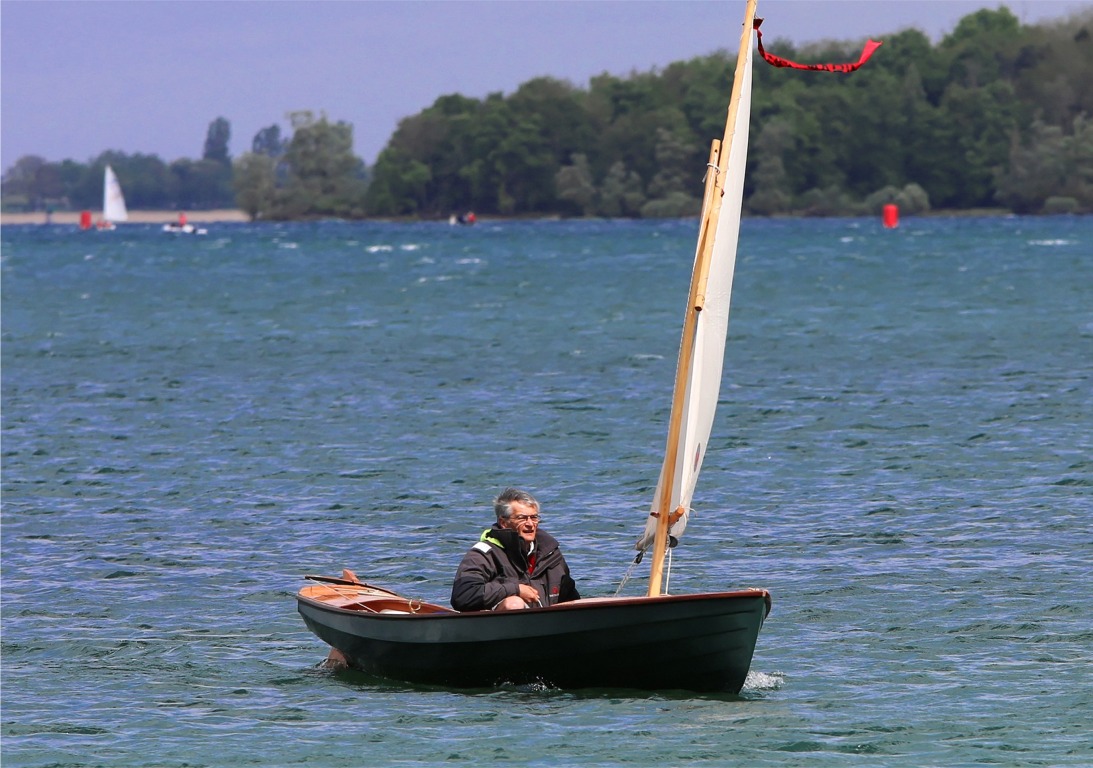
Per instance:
x=79, y=77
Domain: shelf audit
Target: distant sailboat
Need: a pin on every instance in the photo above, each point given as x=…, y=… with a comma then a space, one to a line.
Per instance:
x=113, y=201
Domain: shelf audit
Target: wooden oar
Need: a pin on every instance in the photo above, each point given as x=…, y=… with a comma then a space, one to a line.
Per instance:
x=351, y=583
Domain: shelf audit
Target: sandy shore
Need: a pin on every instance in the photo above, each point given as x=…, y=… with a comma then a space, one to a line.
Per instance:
x=135, y=217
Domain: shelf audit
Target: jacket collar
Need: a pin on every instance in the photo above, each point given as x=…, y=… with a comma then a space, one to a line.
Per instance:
x=509, y=540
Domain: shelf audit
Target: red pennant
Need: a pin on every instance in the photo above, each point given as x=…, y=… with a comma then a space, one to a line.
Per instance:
x=778, y=61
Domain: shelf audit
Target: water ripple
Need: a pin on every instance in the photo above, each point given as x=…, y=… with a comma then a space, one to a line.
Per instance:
x=901, y=457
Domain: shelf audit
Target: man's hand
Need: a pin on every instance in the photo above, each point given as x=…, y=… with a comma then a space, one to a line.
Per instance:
x=529, y=594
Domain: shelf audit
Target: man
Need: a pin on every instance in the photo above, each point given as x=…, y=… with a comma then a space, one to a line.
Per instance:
x=514, y=565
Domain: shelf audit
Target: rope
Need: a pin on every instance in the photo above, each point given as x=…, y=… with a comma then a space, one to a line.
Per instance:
x=668, y=571
x=628, y=574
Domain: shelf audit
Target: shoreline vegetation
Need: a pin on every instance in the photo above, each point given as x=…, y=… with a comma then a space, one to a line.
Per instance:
x=997, y=115
x=219, y=216
x=235, y=216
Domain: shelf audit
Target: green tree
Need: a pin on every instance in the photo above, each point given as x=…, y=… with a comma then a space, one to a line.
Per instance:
x=200, y=184
x=910, y=200
x=921, y=125
x=495, y=162
x=972, y=142
x=268, y=142
x=552, y=124
x=433, y=148
x=702, y=87
x=33, y=184
x=399, y=184
x=255, y=184
x=773, y=194
x=913, y=199
x=559, y=108
x=629, y=112
x=1052, y=164
x=217, y=139
x=621, y=193
x=325, y=178
x=672, y=190
x=575, y=185
x=983, y=48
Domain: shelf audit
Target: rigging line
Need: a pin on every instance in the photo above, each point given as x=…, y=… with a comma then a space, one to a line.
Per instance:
x=668, y=571
x=668, y=568
x=641, y=554
x=626, y=576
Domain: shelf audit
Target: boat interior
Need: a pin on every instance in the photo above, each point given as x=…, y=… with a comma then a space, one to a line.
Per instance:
x=367, y=599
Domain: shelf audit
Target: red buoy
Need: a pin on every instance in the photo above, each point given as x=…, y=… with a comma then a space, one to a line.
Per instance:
x=890, y=216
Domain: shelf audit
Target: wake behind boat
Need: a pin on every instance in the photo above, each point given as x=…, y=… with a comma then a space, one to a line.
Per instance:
x=702, y=642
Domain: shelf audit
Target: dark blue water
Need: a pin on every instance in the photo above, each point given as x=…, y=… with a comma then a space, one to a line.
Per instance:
x=903, y=457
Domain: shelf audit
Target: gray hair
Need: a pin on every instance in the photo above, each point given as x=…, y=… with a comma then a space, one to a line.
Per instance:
x=502, y=505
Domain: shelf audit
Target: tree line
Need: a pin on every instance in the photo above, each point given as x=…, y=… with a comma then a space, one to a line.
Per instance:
x=33, y=184
x=996, y=115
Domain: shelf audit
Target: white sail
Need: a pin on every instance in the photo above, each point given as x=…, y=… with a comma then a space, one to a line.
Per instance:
x=113, y=201
x=702, y=377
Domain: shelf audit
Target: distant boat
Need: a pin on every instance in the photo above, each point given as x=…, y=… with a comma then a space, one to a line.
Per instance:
x=184, y=228
x=698, y=642
x=113, y=201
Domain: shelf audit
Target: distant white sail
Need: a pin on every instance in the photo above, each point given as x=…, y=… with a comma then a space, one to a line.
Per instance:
x=702, y=380
x=113, y=201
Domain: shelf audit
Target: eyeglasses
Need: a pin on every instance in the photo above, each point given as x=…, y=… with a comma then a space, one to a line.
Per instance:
x=524, y=518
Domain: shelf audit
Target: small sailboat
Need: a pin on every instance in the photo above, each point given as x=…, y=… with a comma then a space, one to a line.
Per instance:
x=698, y=642
x=113, y=201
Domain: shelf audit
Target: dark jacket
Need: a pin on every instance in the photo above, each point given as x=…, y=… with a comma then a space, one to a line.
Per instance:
x=495, y=567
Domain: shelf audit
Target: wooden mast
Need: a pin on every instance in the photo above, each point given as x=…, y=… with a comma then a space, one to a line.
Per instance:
x=711, y=208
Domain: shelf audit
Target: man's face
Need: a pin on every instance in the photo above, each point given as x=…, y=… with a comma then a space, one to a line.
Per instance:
x=524, y=520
